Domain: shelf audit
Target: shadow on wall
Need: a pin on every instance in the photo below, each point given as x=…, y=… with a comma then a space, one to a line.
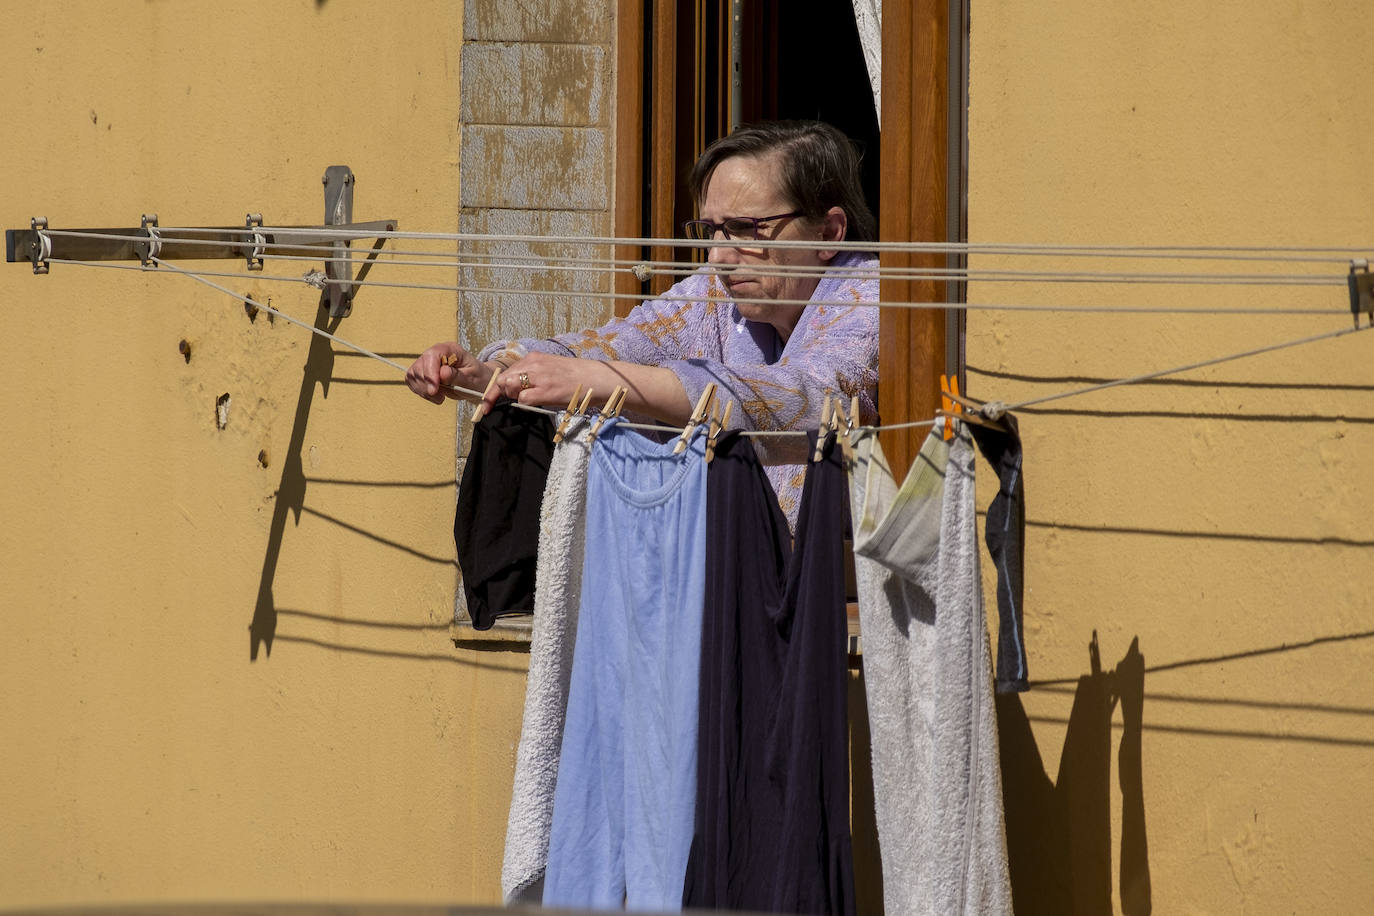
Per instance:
x=319, y=366
x=290, y=499
x=1059, y=832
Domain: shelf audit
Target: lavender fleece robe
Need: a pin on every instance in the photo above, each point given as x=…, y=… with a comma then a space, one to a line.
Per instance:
x=698, y=332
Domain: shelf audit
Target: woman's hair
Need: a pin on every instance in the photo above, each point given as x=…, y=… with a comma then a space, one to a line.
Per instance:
x=818, y=169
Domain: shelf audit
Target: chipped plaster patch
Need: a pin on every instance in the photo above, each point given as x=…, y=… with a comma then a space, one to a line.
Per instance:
x=222, y=411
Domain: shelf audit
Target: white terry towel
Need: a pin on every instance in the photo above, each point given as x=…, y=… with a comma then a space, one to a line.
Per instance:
x=927, y=672
x=557, y=590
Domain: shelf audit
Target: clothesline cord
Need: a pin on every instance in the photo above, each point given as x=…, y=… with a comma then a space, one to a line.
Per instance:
x=1342, y=253
x=317, y=279
x=678, y=268
x=939, y=274
x=475, y=395
x=1136, y=379
x=280, y=314
x=556, y=263
x=905, y=425
x=1333, y=254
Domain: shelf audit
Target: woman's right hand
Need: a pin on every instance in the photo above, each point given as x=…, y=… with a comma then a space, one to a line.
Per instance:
x=446, y=364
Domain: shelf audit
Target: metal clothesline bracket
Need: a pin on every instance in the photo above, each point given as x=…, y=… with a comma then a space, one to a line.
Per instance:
x=38, y=247
x=252, y=221
x=152, y=248
x=338, y=211
x=1361, y=290
x=40, y=244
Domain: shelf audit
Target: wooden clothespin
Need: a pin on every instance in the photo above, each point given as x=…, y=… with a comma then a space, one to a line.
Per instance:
x=481, y=410
x=841, y=425
x=573, y=411
x=837, y=416
x=822, y=431
x=610, y=409
x=704, y=403
x=717, y=427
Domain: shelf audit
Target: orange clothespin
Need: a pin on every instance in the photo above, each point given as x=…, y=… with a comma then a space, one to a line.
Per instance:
x=481, y=410
x=705, y=402
x=948, y=407
x=822, y=431
x=717, y=427
x=573, y=411
x=611, y=409
x=953, y=404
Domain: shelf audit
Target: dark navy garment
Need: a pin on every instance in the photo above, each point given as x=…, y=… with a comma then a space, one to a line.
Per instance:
x=1005, y=535
x=772, y=814
x=496, y=524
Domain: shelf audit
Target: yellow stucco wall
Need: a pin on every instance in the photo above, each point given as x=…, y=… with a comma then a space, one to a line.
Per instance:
x=146, y=757
x=1223, y=527
x=1224, y=519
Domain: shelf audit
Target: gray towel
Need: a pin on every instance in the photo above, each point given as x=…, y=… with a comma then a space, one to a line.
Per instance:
x=558, y=586
x=927, y=672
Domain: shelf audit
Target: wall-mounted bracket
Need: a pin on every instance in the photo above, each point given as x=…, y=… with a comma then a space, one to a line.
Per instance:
x=254, y=242
x=1361, y=291
x=254, y=258
x=152, y=248
x=39, y=247
x=338, y=211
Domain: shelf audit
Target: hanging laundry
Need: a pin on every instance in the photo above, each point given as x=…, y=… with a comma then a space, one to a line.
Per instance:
x=557, y=593
x=772, y=813
x=626, y=789
x=496, y=524
x=1004, y=532
x=936, y=779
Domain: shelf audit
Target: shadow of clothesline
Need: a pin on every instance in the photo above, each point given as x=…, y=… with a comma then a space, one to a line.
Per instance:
x=1200, y=535
x=1270, y=705
x=373, y=484
x=1193, y=415
x=1232, y=656
x=373, y=536
x=1169, y=382
x=374, y=652
x=365, y=624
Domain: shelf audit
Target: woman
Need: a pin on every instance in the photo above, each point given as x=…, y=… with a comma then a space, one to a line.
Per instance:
x=752, y=321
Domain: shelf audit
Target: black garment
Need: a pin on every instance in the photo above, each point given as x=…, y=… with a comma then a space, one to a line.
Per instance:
x=1005, y=534
x=772, y=815
x=496, y=525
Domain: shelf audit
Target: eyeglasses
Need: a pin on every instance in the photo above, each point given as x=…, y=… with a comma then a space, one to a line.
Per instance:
x=734, y=227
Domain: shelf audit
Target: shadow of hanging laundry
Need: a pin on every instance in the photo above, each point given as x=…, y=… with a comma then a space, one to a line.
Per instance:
x=1059, y=831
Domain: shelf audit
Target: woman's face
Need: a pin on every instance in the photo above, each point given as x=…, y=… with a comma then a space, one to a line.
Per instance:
x=748, y=186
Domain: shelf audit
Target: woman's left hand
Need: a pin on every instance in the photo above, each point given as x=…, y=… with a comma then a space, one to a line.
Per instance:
x=546, y=380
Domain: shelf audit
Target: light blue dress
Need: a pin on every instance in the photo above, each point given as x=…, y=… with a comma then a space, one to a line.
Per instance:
x=626, y=791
